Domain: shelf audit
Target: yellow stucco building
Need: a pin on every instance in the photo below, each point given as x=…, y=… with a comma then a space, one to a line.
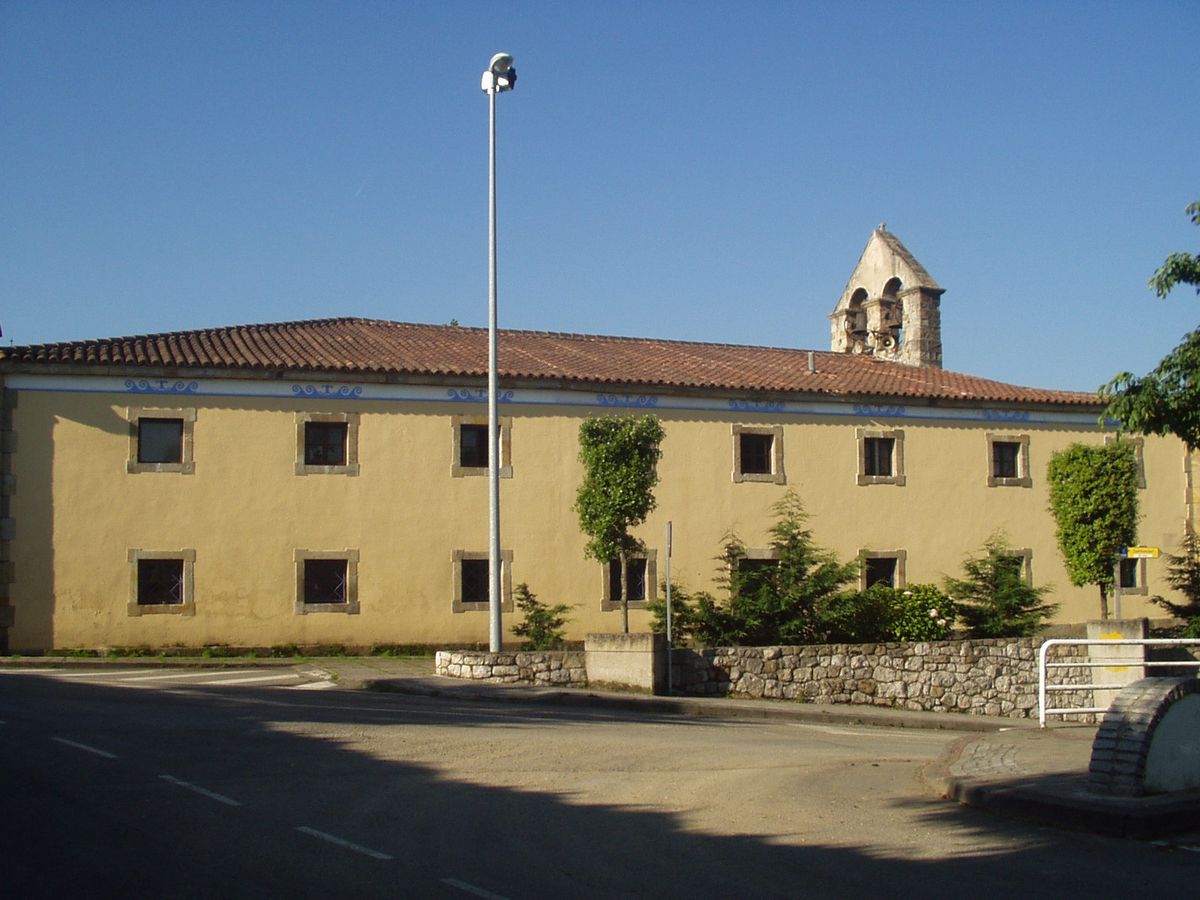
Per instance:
x=320, y=482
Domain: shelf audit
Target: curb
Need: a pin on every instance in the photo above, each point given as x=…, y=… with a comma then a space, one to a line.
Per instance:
x=719, y=709
x=1062, y=801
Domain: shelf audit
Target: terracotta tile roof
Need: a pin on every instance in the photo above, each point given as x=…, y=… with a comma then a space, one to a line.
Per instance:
x=349, y=347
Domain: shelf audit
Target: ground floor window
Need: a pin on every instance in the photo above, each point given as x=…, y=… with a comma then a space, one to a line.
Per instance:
x=161, y=581
x=635, y=580
x=326, y=581
x=885, y=567
x=472, y=581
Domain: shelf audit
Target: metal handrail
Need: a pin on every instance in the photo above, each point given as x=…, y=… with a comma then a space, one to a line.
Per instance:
x=1043, y=665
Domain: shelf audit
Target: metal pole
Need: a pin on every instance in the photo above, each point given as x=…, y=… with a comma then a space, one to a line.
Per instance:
x=1117, y=588
x=670, y=642
x=496, y=629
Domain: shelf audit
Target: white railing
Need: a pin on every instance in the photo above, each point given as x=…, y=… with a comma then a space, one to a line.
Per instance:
x=1107, y=663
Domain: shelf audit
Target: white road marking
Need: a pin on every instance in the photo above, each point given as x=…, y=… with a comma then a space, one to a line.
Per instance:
x=342, y=842
x=95, y=674
x=26, y=671
x=203, y=792
x=79, y=746
x=207, y=673
x=256, y=679
x=314, y=686
x=471, y=889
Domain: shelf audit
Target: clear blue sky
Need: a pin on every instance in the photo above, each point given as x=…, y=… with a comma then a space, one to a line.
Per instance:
x=704, y=171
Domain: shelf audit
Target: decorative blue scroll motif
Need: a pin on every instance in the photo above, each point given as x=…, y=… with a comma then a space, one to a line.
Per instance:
x=331, y=391
x=477, y=395
x=160, y=386
x=639, y=401
x=762, y=406
x=1006, y=415
x=879, y=410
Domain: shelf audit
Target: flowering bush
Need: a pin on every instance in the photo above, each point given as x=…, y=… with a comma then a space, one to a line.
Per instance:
x=922, y=613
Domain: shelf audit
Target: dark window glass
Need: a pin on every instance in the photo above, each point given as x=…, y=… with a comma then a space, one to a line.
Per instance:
x=756, y=453
x=877, y=454
x=160, y=440
x=1129, y=573
x=1004, y=459
x=325, y=443
x=473, y=446
x=475, y=580
x=160, y=581
x=324, y=581
x=881, y=570
x=614, y=581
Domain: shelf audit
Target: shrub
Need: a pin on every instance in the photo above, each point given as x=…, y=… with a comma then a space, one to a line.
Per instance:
x=685, y=615
x=992, y=596
x=923, y=613
x=1183, y=574
x=542, y=627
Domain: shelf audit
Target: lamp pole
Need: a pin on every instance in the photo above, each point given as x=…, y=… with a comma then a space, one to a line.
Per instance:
x=500, y=76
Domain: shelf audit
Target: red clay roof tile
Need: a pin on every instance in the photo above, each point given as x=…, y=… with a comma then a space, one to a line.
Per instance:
x=349, y=346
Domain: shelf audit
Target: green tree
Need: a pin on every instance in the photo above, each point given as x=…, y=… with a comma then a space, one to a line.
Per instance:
x=992, y=598
x=620, y=457
x=1183, y=574
x=1167, y=400
x=1093, y=495
x=777, y=601
x=542, y=625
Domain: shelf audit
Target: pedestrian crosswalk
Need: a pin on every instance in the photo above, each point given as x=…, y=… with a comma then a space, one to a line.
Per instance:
x=291, y=678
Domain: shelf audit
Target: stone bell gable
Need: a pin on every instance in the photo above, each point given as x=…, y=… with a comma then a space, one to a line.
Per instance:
x=890, y=308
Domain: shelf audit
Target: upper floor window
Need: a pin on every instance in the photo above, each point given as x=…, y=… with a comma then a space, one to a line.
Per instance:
x=327, y=443
x=880, y=457
x=758, y=453
x=470, y=436
x=1008, y=460
x=160, y=440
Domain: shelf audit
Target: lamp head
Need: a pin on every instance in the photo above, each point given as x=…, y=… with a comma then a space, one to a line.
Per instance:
x=500, y=75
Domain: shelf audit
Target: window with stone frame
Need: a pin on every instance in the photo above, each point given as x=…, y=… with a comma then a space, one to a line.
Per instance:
x=1133, y=576
x=637, y=580
x=880, y=456
x=1139, y=454
x=161, y=581
x=326, y=581
x=161, y=440
x=472, y=581
x=327, y=443
x=1008, y=460
x=758, y=454
x=470, y=446
x=886, y=567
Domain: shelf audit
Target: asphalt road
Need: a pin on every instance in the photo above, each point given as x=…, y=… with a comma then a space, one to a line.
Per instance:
x=186, y=789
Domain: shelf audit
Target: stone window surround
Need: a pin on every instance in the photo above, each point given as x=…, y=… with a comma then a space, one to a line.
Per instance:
x=896, y=435
x=506, y=591
x=187, y=463
x=1139, y=589
x=1023, y=478
x=460, y=471
x=351, y=606
x=351, y=421
x=1139, y=452
x=608, y=605
x=901, y=558
x=186, y=608
x=776, y=475
x=1025, y=554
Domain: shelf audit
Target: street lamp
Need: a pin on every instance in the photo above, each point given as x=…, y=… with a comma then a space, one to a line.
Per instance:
x=500, y=76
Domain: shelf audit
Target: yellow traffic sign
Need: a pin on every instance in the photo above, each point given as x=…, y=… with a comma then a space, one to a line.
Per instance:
x=1140, y=553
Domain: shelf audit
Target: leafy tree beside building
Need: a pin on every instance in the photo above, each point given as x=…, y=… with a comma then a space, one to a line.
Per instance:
x=620, y=458
x=1093, y=495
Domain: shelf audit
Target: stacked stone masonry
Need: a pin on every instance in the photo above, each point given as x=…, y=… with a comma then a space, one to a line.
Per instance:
x=558, y=668
x=982, y=677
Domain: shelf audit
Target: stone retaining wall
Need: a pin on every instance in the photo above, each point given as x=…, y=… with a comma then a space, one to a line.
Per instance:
x=562, y=668
x=995, y=677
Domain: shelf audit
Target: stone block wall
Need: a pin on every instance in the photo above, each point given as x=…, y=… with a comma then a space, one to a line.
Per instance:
x=995, y=677
x=559, y=668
